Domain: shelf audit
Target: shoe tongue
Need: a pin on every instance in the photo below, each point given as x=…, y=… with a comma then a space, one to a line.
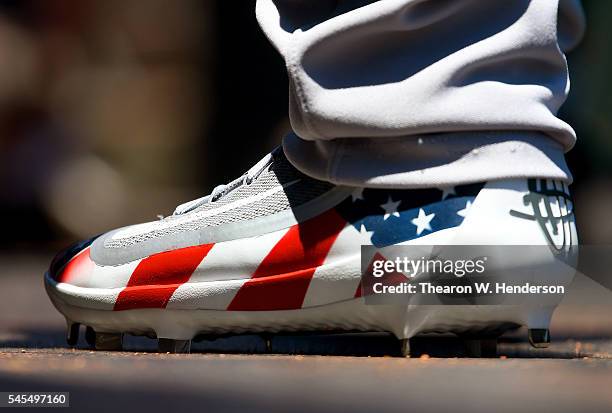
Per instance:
x=283, y=170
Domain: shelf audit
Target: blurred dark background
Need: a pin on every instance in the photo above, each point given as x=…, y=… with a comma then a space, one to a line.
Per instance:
x=112, y=112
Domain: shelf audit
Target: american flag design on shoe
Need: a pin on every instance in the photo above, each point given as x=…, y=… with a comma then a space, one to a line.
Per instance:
x=290, y=261
x=311, y=263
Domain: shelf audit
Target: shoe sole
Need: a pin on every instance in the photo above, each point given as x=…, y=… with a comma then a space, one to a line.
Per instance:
x=174, y=328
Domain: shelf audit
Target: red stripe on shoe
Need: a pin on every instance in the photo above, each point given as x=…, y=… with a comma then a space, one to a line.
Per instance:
x=366, y=284
x=282, y=279
x=157, y=277
x=79, y=265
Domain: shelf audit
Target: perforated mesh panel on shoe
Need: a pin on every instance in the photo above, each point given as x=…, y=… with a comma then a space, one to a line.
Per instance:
x=280, y=172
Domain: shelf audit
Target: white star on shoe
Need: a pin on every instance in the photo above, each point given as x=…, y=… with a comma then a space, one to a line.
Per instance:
x=463, y=212
x=357, y=194
x=390, y=208
x=365, y=235
x=447, y=191
x=422, y=222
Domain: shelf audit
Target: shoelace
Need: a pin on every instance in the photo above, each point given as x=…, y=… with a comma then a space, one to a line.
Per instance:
x=246, y=179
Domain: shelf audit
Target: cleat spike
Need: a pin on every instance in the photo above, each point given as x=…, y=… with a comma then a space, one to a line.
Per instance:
x=109, y=341
x=168, y=345
x=486, y=348
x=72, y=333
x=90, y=337
x=405, y=347
x=539, y=337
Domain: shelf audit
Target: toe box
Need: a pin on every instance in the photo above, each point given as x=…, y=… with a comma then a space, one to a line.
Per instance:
x=72, y=263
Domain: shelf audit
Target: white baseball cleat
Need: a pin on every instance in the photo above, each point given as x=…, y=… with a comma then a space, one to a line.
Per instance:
x=278, y=251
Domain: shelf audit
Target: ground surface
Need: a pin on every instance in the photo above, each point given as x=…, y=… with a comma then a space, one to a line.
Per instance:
x=332, y=373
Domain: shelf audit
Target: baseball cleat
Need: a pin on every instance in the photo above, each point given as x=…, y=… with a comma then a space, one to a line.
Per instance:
x=90, y=337
x=539, y=337
x=72, y=333
x=405, y=347
x=278, y=251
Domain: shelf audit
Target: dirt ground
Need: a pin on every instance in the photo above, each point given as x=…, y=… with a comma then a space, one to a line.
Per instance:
x=360, y=373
